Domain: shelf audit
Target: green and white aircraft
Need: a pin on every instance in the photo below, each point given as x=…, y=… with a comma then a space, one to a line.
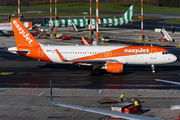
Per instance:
x=125, y=19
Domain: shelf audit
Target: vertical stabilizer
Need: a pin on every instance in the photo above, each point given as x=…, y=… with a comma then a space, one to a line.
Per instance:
x=128, y=15
x=22, y=35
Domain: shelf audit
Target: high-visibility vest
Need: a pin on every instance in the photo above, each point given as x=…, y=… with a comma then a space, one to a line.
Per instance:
x=122, y=96
x=136, y=103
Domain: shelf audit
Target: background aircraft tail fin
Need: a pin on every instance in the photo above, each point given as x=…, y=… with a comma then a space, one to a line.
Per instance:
x=128, y=14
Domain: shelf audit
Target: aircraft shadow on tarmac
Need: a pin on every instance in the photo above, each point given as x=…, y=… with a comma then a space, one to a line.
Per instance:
x=78, y=67
x=127, y=70
x=65, y=66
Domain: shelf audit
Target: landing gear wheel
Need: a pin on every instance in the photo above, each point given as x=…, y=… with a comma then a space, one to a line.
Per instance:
x=93, y=72
x=153, y=68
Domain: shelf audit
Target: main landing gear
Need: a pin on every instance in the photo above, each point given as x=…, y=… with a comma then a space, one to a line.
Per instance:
x=153, y=68
x=94, y=70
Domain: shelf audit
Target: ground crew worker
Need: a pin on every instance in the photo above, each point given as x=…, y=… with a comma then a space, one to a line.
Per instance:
x=136, y=103
x=122, y=97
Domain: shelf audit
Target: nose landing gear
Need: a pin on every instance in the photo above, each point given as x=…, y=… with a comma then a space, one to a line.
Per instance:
x=153, y=68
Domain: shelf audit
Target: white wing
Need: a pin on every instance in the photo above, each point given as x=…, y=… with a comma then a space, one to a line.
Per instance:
x=103, y=112
x=177, y=83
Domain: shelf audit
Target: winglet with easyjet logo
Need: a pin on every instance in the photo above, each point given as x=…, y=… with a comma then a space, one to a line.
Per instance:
x=22, y=35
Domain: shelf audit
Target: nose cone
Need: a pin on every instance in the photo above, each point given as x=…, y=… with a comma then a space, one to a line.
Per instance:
x=173, y=58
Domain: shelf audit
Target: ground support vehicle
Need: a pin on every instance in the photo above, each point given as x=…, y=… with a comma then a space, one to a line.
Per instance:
x=66, y=37
x=126, y=107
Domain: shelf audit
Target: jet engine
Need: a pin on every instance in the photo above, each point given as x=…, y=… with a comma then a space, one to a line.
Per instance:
x=114, y=67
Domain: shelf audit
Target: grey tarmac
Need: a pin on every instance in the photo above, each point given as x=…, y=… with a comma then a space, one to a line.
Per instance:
x=24, y=82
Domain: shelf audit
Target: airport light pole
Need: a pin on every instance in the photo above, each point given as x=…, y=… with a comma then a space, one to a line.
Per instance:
x=55, y=16
x=19, y=9
x=142, y=20
x=90, y=17
x=51, y=35
x=97, y=34
x=51, y=14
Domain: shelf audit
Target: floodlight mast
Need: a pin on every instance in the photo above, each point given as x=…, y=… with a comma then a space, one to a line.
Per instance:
x=142, y=20
x=55, y=16
x=90, y=17
x=19, y=9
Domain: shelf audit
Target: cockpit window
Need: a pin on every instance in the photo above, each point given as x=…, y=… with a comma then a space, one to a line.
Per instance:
x=169, y=52
x=164, y=53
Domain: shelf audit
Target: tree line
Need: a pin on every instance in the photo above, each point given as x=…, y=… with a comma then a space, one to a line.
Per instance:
x=163, y=3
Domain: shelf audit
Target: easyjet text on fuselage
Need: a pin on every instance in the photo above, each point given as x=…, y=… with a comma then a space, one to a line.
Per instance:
x=137, y=50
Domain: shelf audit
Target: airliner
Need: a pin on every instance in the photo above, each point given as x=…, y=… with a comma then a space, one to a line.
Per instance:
x=110, y=58
x=6, y=27
x=125, y=19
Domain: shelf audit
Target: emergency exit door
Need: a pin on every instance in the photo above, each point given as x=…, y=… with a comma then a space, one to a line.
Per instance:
x=40, y=53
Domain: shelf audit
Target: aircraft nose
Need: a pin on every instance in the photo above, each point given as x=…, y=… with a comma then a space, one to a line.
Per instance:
x=173, y=58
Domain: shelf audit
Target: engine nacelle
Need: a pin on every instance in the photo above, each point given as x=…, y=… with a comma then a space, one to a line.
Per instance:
x=114, y=67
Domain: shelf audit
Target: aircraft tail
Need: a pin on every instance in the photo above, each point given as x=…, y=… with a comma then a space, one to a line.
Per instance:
x=128, y=14
x=22, y=36
x=26, y=43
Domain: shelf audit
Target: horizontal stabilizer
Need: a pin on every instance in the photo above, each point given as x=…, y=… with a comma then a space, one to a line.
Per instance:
x=14, y=50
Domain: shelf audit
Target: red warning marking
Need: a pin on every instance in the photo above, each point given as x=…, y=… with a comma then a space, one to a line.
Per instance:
x=77, y=109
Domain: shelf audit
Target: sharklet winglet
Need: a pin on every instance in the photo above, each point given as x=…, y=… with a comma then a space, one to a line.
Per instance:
x=85, y=42
x=60, y=56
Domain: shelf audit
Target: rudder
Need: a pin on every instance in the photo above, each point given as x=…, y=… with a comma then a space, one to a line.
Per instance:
x=128, y=15
x=22, y=36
